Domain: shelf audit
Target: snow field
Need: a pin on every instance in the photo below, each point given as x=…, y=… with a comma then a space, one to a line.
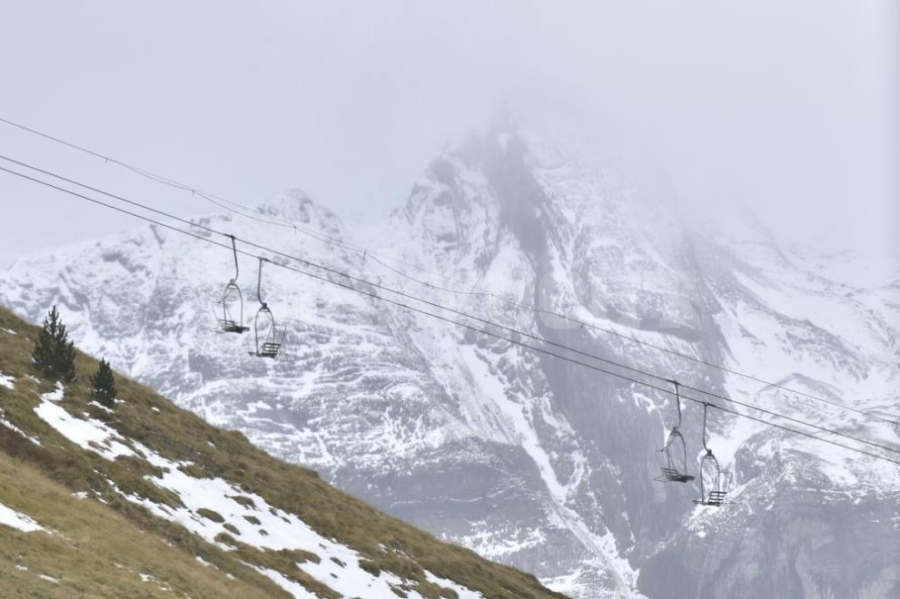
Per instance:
x=257, y=523
x=87, y=434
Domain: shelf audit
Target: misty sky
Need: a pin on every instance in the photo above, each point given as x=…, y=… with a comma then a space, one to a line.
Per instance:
x=788, y=107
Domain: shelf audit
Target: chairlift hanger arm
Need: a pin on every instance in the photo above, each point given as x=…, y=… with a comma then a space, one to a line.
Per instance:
x=237, y=270
x=677, y=402
x=259, y=282
x=706, y=405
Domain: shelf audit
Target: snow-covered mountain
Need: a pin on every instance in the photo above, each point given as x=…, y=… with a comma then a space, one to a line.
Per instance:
x=524, y=457
x=133, y=497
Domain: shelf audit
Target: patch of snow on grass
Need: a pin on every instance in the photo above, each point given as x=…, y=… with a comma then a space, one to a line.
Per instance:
x=7, y=381
x=18, y=520
x=101, y=407
x=276, y=530
x=56, y=394
x=295, y=589
x=461, y=591
x=16, y=429
x=88, y=434
x=9, y=332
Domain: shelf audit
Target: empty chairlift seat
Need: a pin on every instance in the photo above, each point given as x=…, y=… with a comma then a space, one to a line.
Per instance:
x=673, y=456
x=232, y=302
x=712, y=480
x=268, y=335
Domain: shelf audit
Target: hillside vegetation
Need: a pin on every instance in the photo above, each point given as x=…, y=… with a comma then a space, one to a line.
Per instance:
x=147, y=500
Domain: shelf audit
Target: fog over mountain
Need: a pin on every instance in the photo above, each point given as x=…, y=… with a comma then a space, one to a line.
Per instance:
x=524, y=457
x=787, y=109
x=652, y=191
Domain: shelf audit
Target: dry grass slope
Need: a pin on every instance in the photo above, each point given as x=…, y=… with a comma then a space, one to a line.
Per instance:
x=101, y=550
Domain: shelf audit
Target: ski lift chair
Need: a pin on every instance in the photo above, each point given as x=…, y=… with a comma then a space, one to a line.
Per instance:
x=232, y=301
x=712, y=487
x=673, y=456
x=268, y=335
x=673, y=459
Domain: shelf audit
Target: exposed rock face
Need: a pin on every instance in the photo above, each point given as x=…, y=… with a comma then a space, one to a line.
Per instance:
x=523, y=456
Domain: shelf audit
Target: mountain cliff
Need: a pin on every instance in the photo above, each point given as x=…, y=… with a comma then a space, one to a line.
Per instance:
x=524, y=457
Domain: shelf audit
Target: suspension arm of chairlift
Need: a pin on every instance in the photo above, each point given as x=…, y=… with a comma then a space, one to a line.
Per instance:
x=237, y=270
x=705, y=406
x=259, y=283
x=678, y=403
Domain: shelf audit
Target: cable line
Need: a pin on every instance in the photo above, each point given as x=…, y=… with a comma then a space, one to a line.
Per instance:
x=485, y=331
x=405, y=295
x=221, y=202
x=247, y=213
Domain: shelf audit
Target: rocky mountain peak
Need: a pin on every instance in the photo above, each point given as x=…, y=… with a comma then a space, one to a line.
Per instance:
x=296, y=206
x=518, y=455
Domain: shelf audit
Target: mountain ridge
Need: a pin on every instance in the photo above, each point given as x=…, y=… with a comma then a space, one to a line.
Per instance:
x=515, y=454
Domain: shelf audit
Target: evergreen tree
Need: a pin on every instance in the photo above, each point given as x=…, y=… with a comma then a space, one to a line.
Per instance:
x=104, y=385
x=54, y=354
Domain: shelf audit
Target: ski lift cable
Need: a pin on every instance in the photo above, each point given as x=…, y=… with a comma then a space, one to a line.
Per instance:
x=402, y=293
x=410, y=296
x=218, y=200
x=485, y=322
x=224, y=203
x=511, y=340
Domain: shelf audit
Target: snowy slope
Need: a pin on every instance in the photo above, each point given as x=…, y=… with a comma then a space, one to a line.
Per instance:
x=525, y=458
x=232, y=516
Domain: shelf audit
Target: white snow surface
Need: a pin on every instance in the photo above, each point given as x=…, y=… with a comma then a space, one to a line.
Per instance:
x=18, y=520
x=16, y=429
x=55, y=395
x=297, y=590
x=7, y=381
x=339, y=567
x=85, y=432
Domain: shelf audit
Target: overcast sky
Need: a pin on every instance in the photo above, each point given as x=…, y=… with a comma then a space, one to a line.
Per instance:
x=790, y=107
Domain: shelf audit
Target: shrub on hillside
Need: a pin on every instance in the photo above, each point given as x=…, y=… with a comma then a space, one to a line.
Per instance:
x=103, y=385
x=54, y=354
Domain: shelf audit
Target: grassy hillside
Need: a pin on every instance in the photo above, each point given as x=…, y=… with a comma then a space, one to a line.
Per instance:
x=128, y=499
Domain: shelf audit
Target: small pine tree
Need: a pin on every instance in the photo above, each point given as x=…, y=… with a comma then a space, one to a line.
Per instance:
x=104, y=385
x=54, y=354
